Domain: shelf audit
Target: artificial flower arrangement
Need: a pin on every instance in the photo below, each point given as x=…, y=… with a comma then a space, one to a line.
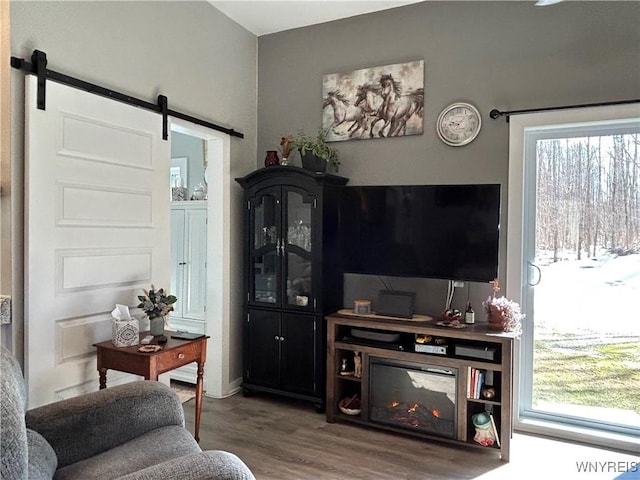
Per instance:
x=503, y=314
x=156, y=303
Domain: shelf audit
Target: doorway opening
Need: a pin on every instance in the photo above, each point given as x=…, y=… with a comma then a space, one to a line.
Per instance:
x=211, y=170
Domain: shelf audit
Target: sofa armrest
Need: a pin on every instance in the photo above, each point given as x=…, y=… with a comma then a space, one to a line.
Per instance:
x=83, y=426
x=208, y=465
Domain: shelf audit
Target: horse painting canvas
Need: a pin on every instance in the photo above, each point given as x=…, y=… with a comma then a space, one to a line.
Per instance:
x=376, y=102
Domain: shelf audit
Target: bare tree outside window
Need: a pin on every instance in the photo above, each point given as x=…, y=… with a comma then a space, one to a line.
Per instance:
x=588, y=197
x=587, y=249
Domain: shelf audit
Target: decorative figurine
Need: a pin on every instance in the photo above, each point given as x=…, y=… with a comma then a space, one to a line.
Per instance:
x=344, y=367
x=357, y=362
x=484, y=429
x=488, y=392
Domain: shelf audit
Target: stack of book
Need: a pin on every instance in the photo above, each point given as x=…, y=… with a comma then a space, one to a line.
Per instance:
x=476, y=379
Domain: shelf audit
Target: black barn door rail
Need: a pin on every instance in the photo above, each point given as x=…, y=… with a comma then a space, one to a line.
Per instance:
x=38, y=67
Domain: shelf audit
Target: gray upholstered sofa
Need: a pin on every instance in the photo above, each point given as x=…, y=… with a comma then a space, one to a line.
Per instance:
x=132, y=431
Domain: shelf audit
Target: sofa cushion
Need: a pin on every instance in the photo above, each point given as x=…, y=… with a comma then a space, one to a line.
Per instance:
x=80, y=427
x=12, y=373
x=42, y=459
x=150, y=449
x=209, y=465
x=13, y=437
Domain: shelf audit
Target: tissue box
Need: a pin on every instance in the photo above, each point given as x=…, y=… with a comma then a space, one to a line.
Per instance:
x=125, y=333
x=5, y=309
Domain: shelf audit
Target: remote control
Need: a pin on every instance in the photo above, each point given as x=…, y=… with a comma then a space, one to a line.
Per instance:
x=146, y=340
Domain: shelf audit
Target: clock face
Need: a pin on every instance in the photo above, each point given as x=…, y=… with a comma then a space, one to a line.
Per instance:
x=458, y=124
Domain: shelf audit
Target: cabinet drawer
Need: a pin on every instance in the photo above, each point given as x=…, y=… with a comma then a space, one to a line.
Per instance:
x=178, y=356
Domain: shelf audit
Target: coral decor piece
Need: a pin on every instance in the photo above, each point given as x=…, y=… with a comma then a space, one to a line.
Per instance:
x=503, y=314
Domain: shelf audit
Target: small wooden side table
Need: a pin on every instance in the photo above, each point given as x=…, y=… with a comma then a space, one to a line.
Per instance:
x=174, y=354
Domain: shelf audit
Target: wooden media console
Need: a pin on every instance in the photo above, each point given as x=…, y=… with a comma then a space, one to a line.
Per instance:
x=475, y=364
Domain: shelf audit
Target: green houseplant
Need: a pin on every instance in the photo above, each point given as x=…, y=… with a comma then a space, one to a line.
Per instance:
x=313, y=148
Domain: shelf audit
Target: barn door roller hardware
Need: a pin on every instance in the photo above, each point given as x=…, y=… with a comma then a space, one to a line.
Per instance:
x=495, y=113
x=38, y=67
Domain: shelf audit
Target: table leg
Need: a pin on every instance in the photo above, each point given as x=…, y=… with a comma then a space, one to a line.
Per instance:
x=103, y=378
x=199, y=384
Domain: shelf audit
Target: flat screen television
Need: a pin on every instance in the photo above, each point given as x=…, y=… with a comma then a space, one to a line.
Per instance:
x=433, y=231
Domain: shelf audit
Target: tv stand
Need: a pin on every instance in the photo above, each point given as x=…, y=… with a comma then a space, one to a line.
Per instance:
x=478, y=350
x=374, y=316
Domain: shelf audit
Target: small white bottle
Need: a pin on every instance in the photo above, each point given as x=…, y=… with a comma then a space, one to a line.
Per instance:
x=469, y=315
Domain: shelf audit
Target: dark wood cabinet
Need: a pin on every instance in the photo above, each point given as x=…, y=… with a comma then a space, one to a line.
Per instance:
x=262, y=335
x=282, y=352
x=292, y=278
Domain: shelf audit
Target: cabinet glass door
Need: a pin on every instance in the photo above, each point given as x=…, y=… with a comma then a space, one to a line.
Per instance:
x=298, y=248
x=266, y=247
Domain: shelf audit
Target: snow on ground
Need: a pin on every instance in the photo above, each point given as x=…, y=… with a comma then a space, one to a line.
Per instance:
x=598, y=296
x=582, y=303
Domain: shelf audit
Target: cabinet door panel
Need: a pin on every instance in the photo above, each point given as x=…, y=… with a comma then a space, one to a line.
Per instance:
x=298, y=247
x=299, y=353
x=262, y=354
x=195, y=276
x=177, y=259
x=264, y=224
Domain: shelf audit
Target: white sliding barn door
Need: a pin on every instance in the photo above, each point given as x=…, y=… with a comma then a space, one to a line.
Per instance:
x=97, y=229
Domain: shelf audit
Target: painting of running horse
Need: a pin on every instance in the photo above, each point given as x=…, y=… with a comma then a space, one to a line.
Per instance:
x=376, y=102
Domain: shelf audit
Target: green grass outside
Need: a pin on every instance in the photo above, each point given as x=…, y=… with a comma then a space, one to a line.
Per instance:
x=605, y=375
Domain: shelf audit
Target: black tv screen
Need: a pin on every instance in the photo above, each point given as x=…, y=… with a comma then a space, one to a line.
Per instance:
x=434, y=231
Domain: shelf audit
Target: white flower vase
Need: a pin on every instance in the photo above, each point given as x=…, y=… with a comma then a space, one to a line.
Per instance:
x=156, y=326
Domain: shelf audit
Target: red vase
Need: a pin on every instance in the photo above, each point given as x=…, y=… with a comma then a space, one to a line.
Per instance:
x=271, y=158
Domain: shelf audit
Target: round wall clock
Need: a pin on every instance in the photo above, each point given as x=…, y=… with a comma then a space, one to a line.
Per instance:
x=458, y=124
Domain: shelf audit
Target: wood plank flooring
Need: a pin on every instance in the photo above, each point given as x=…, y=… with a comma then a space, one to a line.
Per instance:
x=283, y=439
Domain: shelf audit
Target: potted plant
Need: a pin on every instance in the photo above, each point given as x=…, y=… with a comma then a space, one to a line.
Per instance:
x=315, y=153
x=157, y=304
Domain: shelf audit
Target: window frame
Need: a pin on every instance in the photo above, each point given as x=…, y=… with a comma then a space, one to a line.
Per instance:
x=524, y=131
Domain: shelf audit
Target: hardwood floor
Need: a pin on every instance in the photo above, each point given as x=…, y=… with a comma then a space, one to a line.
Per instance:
x=282, y=439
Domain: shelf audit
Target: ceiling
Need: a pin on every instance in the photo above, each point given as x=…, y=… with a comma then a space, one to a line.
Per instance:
x=262, y=17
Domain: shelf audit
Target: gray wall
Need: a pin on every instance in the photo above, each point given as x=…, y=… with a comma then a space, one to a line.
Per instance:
x=189, y=51
x=505, y=55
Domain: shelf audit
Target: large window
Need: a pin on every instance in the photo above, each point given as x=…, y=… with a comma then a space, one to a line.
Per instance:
x=574, y=264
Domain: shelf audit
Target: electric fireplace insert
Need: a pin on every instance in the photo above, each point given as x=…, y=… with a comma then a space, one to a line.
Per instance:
x=413, y=396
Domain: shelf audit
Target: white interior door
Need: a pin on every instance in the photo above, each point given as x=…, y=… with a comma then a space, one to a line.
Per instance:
x=97, y=229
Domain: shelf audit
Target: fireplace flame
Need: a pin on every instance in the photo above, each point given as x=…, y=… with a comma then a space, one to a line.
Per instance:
x=413, y=408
